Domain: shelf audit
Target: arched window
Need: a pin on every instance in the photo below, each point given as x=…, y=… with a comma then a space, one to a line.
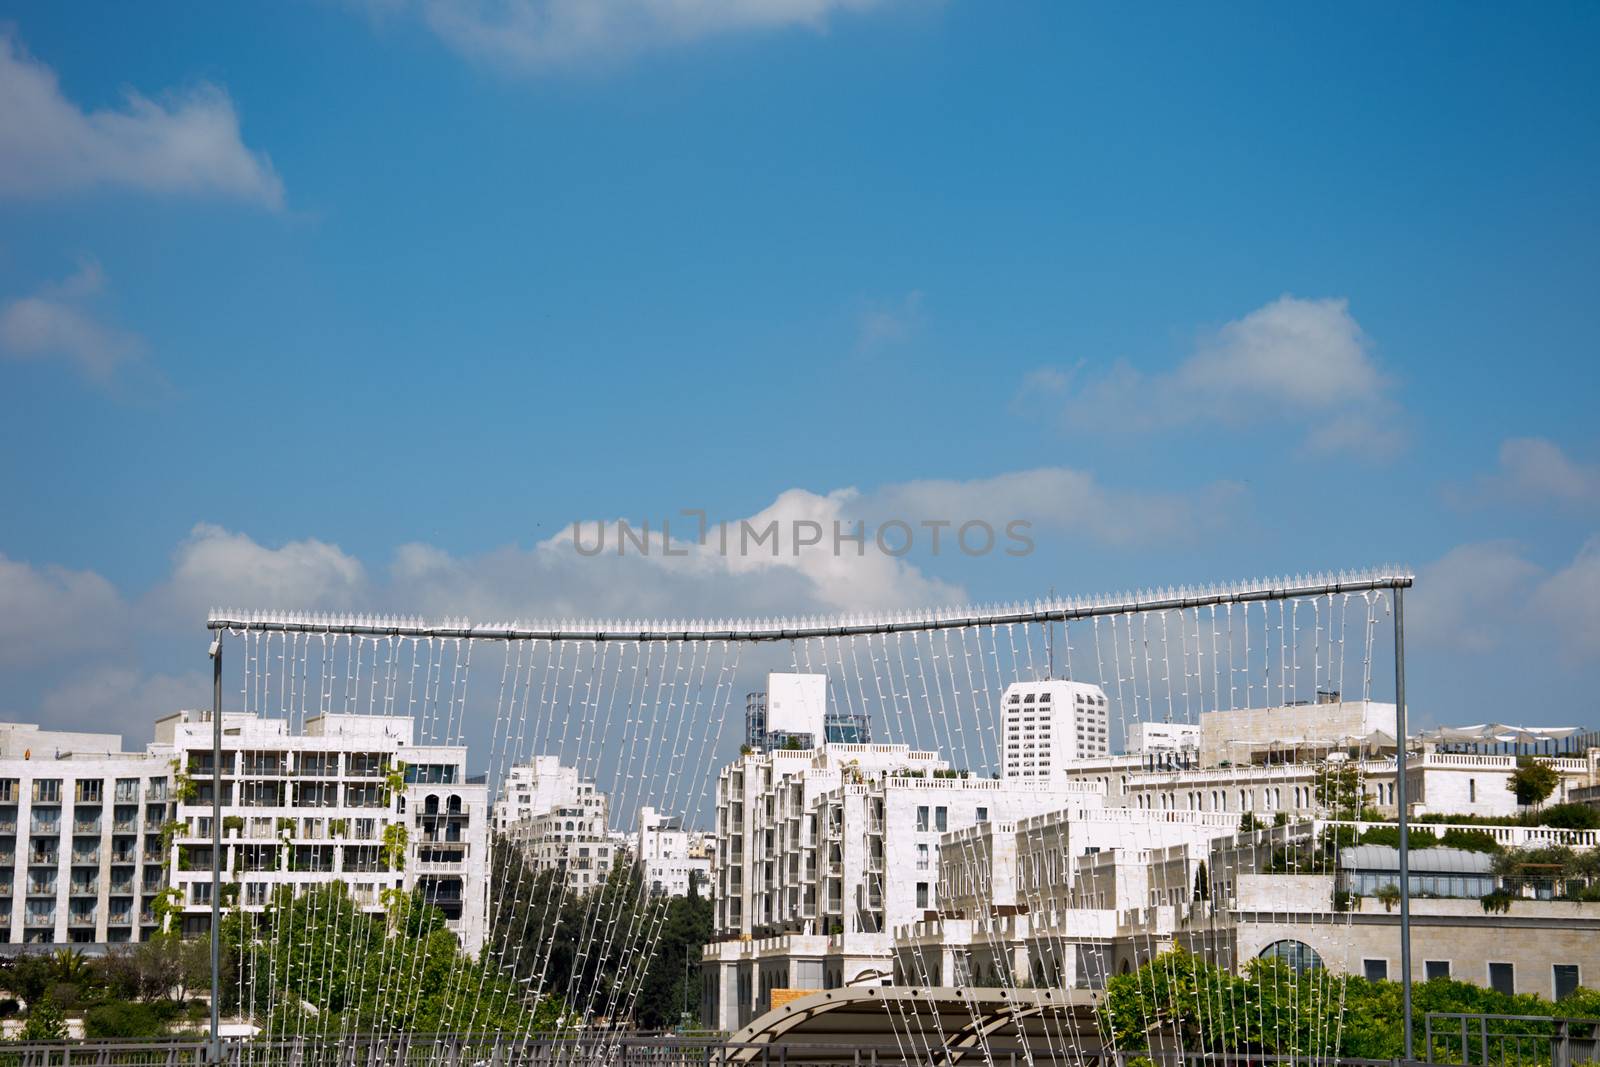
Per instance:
x=430, y=806
x=455, y=805
x=1300, y=956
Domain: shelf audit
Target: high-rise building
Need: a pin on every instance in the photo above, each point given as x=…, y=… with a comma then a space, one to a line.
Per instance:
x=796, y=711
x=349, y=798
x=558, y=820
x=1047, y=726
x=80, y=837
x=670, y=858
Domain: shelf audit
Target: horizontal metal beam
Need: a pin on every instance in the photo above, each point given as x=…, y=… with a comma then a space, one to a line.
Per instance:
x=790, y=629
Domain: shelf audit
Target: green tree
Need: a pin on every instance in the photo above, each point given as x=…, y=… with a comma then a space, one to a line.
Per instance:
x=1533, y=781
x=1340, y=789
x=44, y=1023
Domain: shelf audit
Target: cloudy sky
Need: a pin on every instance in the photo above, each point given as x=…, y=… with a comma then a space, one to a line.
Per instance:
x=361, y=305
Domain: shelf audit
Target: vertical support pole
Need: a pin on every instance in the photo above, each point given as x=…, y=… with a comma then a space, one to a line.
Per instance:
x=216, y=848
x=1403, y=805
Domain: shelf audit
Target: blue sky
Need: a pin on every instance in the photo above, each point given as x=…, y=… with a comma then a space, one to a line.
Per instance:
x=361, y=305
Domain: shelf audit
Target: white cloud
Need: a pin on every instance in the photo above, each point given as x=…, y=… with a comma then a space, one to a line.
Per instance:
x=1468, y=597
x=1570, y=601
x=1306, y=361
x=109, y=697
x=50, y=613
x=1486, y=597
x=214, y=567
x=882, y=325
x=528, y=35
x=1536, y=470
x=553, y=579
x=190, y=144
x=1062, y=500
x=57, y=323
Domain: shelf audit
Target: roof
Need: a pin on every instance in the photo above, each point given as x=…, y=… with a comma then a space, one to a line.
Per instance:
x=837, y=1025
x=1500, y=734
x=1420, y=861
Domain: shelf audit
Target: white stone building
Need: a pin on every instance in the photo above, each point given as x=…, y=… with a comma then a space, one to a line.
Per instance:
x=821, y=852
x=1163, y=738
x=559, y=821
x=80, y=838
x=670, y=858
x=348, y=799
x=1047, y=726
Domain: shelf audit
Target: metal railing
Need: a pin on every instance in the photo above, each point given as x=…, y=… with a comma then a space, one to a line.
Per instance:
x=1510, y=1040
x=585, y=1050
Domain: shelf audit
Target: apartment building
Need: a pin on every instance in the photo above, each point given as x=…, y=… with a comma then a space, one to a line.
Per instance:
x=1047, y=726
x=350, y=798
x=559, y=822
x=670, y=858
x=821, y=852
x=1040, y=904
x=81, y=824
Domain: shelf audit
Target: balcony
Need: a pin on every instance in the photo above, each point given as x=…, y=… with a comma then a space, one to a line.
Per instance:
x=41, y=889
x=40, y=919
x=86, y=826
x=86, y=858
x=120, y=918
x=86, y=888
x=83, y=918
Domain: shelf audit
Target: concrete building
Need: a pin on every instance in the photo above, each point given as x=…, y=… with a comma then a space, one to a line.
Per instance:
x=1164, y=738
x=821, y=852
x=1047, y=726
x=1296, y=733
x=81, y=822
x=794, y=711
x=559, y=821
x=670, y=858
x=348, y=799
x=1064, y=914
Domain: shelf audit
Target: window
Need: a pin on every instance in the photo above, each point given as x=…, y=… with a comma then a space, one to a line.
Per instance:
x=1472, y=789
x=1564, y=977
x=1502, y=978
x=1432, y=969
x=47, y=790
x=983, y=814
x=1375, y=970
x=922, y=894
x=1298, y=955
x=922, y=857
x=941, y=819
x=922, y=818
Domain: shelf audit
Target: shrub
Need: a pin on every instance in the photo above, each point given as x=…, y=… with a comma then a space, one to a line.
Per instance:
x=122, y=1018
x=1498, y=902
x=1470, y=840
x=1570, y=817
x=1390, y=835
x=1389, y=895
x=44, y=1023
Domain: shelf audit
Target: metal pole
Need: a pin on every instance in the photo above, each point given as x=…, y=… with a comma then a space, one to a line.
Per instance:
x=1401, y=803
x=216, y=847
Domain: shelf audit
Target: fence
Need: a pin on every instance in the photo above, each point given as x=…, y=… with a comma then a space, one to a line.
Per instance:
x=1510, y=1040
x=653, y=1050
